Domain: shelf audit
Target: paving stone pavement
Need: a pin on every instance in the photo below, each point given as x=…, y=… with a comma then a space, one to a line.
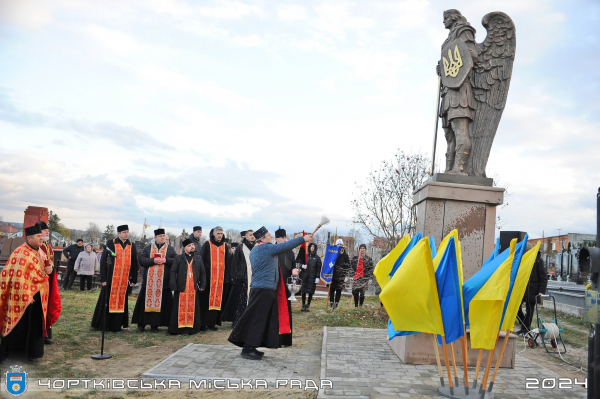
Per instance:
x=208, y=362
x=360, y=363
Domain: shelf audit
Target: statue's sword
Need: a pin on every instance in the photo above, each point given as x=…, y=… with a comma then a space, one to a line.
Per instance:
x=437, y=111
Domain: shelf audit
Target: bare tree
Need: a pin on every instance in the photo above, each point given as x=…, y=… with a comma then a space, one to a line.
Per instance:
x=384, y=205
x=93, y=233
x=233, y=235
x=133, y=236
x=321, y=236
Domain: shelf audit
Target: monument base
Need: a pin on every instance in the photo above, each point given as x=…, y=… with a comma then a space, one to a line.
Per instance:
x=443, y=207
x=459, y=179
x=418, y=349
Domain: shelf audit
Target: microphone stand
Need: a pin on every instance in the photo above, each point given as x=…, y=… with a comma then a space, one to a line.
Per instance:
x=103, y=355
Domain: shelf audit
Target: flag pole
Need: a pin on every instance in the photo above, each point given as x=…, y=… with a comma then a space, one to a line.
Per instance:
x=465, y=360
x=445, y=351
x=437, y=358
x=477, y=367
x=454, y=364
x=437, y=111
x=506, y=337
x=487, y=368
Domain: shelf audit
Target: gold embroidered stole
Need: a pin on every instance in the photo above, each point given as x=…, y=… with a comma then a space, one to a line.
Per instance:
x=217, y=275
x=187, y=300
x=120, y=278
x=154, y=281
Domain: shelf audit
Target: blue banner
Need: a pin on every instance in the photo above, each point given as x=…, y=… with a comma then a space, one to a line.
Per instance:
x=331, y=254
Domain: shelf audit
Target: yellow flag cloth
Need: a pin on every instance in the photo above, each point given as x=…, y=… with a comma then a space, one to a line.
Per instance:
x=384, y=266
x=519, y=287
x=487, y=305
x=411, y=297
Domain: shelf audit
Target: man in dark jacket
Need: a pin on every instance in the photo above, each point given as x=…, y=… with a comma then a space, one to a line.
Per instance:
x=195, y=237
x=538, y=282
x=187, y=280
x=71, y=253
x=154, y=303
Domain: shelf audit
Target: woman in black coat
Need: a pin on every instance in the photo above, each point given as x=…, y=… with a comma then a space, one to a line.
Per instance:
x=179, y=276
x=309, y=275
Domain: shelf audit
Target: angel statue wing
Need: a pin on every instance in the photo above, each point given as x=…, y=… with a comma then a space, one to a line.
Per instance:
x=491, y=78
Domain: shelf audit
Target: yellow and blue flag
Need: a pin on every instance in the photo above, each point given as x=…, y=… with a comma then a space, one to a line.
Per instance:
x=385, y=265
x=519, y=287
x=484, y=296
x=494, y=252
x=411, y=297
x=449, y=290
x=331, y=254
x=519, y=251
x=405, y=253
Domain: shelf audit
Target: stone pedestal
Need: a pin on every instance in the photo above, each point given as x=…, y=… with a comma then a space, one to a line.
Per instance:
x=418, y=349
x=441, y=208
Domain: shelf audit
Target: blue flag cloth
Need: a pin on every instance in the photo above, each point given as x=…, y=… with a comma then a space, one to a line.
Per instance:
x=410, y=246
x=331, y=254
x=432, y=246
x=519, y=251
x=472, y=286
x=448, y=285
x=393, y=333
x=494, y=252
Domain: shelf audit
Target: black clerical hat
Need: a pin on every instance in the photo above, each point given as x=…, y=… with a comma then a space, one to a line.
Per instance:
x=243, y=233
x=260, y=233
x=234, y=245
x=42, y=225
x=122, y=227
x=280, y=233
x=158, y=232
x=186, y=242
x=33, y=230
x=196, y=228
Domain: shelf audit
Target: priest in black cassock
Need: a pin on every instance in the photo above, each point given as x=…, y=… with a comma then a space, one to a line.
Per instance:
x=287, y=263
x=155, y=301
x=216, y=258
x=242, y=271
x=118, y=273
x=187, y=281
x=266, y=316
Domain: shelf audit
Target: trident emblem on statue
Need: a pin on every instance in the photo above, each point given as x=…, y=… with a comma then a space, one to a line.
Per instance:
x=451, y=68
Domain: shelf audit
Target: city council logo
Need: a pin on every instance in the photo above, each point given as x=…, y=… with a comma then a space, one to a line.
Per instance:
x=16, y=381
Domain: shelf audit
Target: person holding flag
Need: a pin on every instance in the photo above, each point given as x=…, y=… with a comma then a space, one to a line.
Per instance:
x=341, y=271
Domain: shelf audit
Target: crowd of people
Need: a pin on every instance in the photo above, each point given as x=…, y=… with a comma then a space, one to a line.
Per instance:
x=196, y=290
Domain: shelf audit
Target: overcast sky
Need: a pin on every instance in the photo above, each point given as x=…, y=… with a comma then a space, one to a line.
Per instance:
x=249, y=113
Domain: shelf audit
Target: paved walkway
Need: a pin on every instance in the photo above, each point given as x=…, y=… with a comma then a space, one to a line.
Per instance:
x=208, y=362
x=358, y=362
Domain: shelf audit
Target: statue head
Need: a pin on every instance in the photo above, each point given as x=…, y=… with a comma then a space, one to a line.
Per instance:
x=452, y=18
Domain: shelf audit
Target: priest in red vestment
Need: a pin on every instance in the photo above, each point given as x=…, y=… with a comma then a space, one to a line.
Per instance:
x=24, y=292
x=54, y=304
x=216, y=258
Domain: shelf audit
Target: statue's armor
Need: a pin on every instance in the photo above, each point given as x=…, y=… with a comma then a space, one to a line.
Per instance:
x=458, y=103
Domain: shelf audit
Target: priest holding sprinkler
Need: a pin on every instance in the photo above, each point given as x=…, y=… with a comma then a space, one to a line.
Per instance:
x=266, y=315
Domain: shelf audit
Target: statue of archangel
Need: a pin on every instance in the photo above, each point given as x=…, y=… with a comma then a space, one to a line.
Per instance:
x=475, y=78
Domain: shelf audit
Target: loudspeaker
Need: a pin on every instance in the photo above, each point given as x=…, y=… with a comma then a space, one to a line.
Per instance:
x=507, y=236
